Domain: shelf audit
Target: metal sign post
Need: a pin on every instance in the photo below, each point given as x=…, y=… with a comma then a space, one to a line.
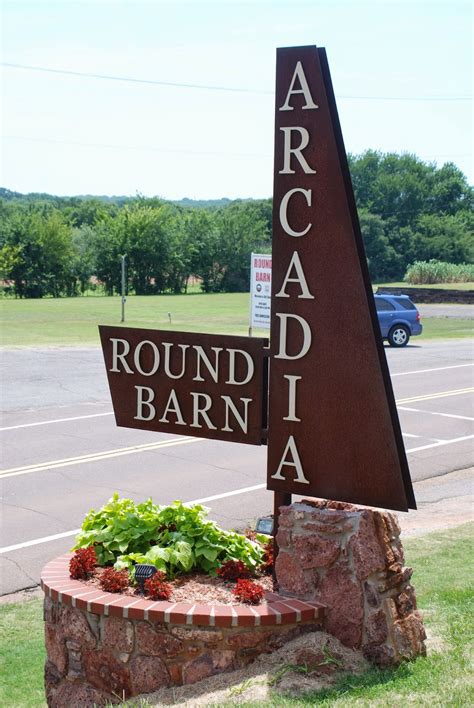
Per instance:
x=123, y=288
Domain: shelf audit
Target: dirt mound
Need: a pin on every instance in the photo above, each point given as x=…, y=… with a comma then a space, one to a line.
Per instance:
x=309, y=663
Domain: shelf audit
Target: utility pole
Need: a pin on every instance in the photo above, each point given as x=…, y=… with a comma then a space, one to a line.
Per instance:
x=123, y=288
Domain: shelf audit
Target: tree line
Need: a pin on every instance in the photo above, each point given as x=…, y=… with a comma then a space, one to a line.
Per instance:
x=55, y=246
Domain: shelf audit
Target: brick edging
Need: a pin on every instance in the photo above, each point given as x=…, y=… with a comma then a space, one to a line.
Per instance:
x=279, y=610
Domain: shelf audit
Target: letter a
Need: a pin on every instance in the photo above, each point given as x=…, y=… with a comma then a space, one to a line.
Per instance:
x=300, y=75
x=293, y=462
x=300, y=279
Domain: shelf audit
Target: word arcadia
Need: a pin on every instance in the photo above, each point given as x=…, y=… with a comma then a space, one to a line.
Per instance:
x=333, y=429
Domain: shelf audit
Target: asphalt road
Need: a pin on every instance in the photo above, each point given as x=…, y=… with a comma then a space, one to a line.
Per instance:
x=62, y=453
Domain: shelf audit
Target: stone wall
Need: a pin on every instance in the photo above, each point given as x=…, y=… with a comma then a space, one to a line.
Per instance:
x=102, y=648
x=351, y=560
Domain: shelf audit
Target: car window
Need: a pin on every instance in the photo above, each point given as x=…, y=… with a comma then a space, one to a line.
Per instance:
x=382, y=304
x=407, y=304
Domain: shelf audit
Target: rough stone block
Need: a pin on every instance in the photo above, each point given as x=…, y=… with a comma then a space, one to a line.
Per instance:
x=290, y=575
x=283, y=537
x=376, y=631
x=78, y=694
x=379, y=654
x=367, y=555
x=408, y=636
x=314, y=551
x=50, y=610
x=106, y=672
x=156, y=643
x=73, y=624
x=395, y=580
x=55, y=647
x=246, y=640
x=193, y=634
x=406, y=601
x=148, y=674
x=343, y=598
x=198, y=669
x=118, y=634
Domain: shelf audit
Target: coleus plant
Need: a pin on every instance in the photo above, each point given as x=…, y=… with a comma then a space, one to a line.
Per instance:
x=175, y=539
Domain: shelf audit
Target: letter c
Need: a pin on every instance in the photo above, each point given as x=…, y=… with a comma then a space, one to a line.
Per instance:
x=284, y=208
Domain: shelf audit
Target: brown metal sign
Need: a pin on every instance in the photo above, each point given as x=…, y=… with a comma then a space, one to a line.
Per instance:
x=333, y=425
x=209, y=386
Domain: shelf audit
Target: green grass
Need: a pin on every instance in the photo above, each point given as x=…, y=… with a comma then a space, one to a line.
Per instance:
x=443, y=567
x=73, y=321
x=444, y=328
x=22, y=654
x=443, y=286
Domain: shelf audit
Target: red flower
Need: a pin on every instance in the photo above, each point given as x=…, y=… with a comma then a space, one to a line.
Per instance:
x=82, y=563
x=248, y=592
x=267, y=562
x=113, y=580
x=157, y=588
x=233, y=570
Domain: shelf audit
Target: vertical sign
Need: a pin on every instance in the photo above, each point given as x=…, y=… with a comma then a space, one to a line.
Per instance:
x=333, y=425
x=260, y=289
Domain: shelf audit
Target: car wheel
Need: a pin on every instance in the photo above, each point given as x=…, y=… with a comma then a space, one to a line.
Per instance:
x=398, y=336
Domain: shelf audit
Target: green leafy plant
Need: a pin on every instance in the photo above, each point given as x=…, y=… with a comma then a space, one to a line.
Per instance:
x=175, y=539
x=121, y=526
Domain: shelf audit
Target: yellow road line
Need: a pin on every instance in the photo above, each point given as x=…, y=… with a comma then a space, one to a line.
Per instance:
x=119, y=452
x=93, y=457
x=441, y=394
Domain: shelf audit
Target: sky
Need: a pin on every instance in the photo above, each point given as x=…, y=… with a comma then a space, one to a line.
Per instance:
x=402, y=75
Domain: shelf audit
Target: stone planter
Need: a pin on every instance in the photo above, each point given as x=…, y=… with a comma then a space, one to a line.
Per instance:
x=103, y=647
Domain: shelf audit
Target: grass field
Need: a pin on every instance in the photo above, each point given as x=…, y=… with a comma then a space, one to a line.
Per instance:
x=443, y=570
x=73, y=321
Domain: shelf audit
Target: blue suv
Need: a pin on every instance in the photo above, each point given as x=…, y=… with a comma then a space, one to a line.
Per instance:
x=398, y=318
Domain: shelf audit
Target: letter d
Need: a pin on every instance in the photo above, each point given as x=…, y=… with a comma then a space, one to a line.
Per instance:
x=282, y=353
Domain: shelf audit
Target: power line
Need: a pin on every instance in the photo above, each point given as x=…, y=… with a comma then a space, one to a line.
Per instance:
x=129, y=79
x=152, y=148
x=156, y=148
x=206, y=87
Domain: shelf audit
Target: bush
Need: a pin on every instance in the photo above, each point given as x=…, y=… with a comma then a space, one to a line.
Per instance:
x=175, y=539
x=248, y=592
x=233, y=570
x=114, y=580
x=82, y=563
x=433, y=271
x=267, y=563
x=157, y=588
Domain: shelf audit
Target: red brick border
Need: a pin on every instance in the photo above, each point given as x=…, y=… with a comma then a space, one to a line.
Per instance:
x=279, y=610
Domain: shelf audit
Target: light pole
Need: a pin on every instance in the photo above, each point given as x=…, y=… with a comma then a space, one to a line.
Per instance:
x=123, y=287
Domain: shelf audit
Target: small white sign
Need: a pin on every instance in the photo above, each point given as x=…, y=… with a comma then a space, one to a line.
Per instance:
x=260, y=289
